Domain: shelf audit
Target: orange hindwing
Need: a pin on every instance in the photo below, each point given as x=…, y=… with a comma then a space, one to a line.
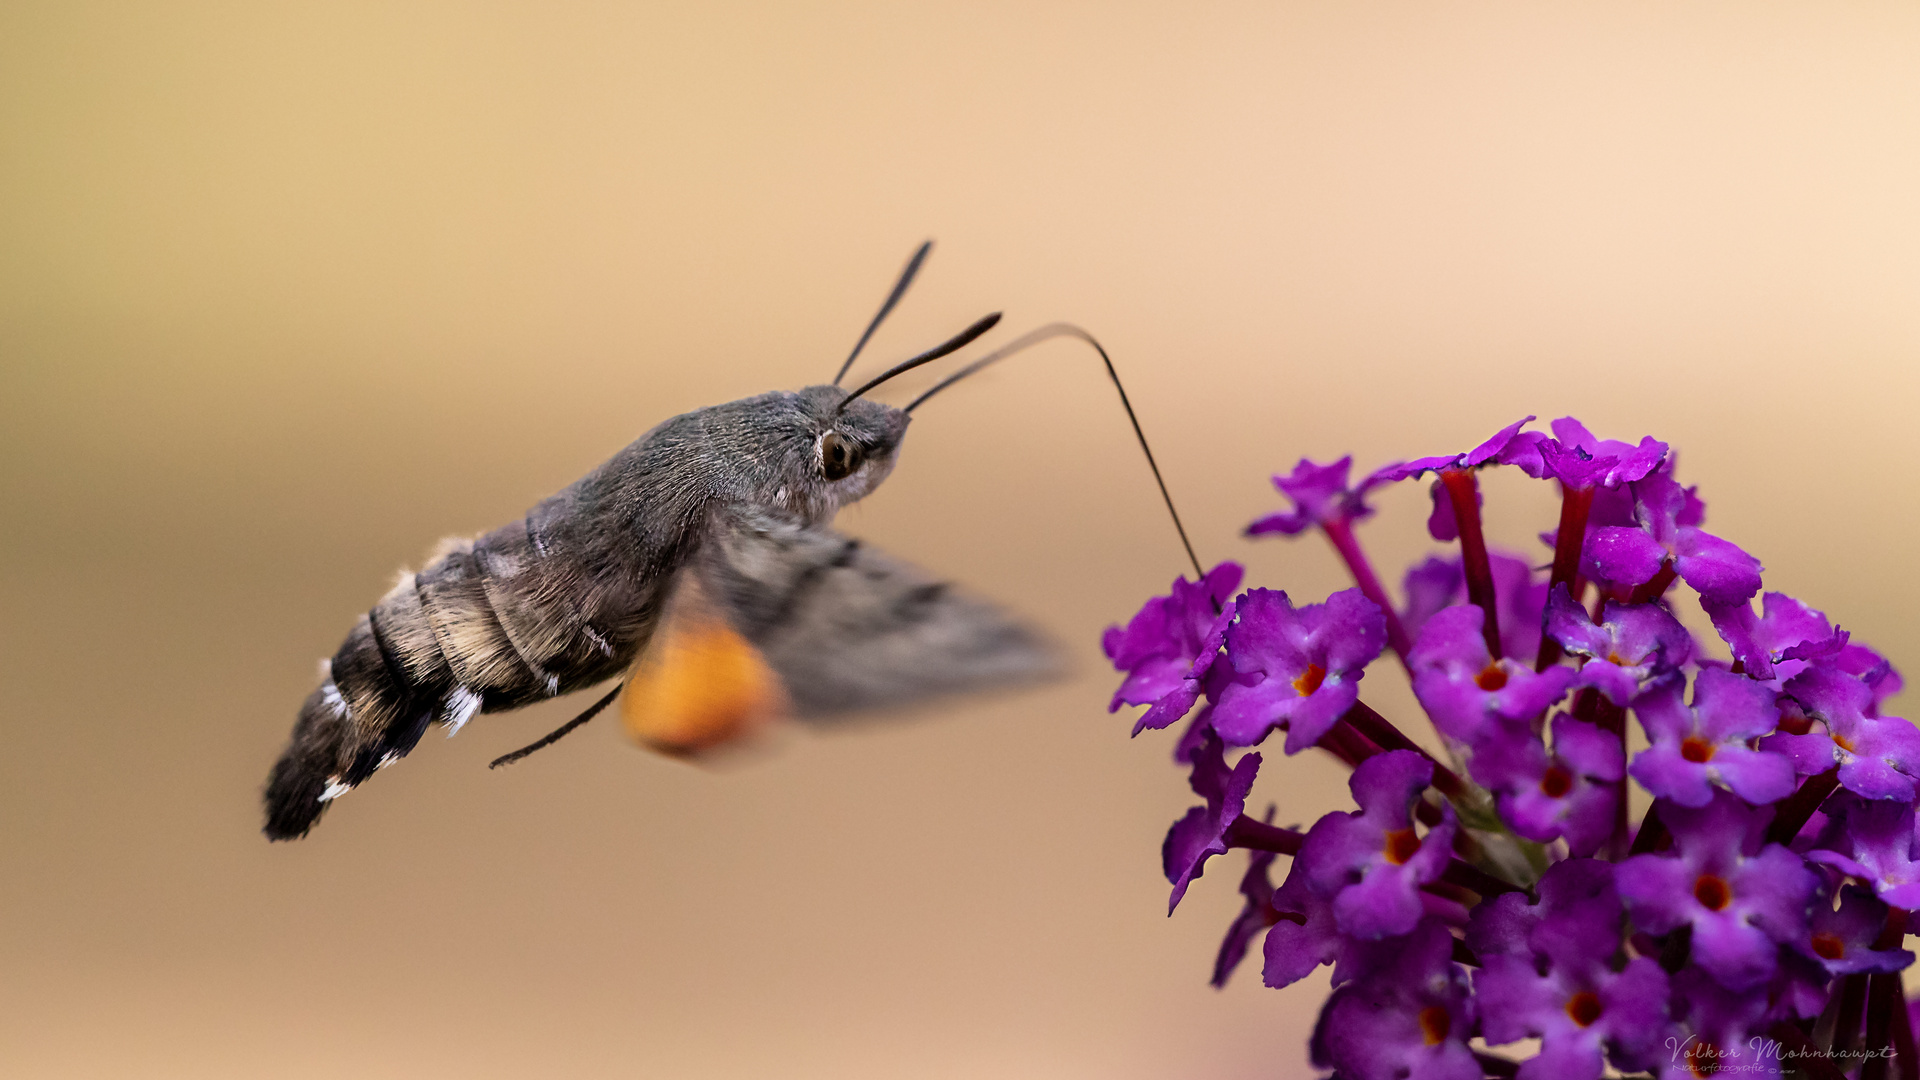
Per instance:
x=698, y=684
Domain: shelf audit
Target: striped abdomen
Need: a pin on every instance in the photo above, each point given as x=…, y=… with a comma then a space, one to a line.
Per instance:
x=527, y=612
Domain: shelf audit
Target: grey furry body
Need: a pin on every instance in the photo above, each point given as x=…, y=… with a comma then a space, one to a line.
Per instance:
x=569, y=595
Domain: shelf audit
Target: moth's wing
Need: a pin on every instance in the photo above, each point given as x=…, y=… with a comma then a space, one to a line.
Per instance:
x=698, y=683
x=847, y=628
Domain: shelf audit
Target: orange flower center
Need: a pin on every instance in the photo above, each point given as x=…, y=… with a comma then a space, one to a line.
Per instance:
x=1696, y=749
x=1843, y=743
x=1310, y=679
x=1435, y=1022
x=1583, y=1008
x=1556, y=783
x=1712, y=892
x=1491, y=678
x=1401, y=845
x=1829, y=946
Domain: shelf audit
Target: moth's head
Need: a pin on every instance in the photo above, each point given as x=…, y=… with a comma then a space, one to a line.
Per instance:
x=851, y=446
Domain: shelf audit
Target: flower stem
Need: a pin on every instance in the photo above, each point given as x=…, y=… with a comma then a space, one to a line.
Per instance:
x=1806, y=1055
x=1895, y=931
x=1905, y=1053
x=1246, y=832
x=1339, y=531
x=1791, y=815
x=1464, y=492
x=1883, y=1000
x=1352, y=748
x=1654, y=589
x=1468, y=876
x=1348, y=745
x=1383, y=734
x=1575, y=505
x=1653, y=834
x=1676, y=949
x=1852, y=992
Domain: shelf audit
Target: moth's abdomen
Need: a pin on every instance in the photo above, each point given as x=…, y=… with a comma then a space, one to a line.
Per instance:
x=567, y=620
x=480, y=657
x=491, y=624
x=381, y=690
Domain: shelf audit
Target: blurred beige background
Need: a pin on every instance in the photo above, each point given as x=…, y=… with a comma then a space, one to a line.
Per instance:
x=289, y=292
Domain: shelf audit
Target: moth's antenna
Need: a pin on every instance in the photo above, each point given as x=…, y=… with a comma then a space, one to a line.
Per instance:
x=899, y=290
x=954, y=344
x=559, y=732
x=1054, y=330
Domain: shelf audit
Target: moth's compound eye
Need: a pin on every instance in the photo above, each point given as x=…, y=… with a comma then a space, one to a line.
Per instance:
x=838, y=455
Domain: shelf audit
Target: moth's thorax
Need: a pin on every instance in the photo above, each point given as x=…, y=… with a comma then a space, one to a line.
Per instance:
x=774, y=451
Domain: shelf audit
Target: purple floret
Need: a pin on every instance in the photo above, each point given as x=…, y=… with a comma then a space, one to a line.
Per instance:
x=1569, y=792
x=1716, y=1026
x=1306, y=935
x=1740, y=897
x=1871, y=668
x=1539, y=959
x=1408, y=1020
x=1429, y=586
x=1464, y=689
x=1370, y=861
x=1872, y=840
x=1201, y=834
x=1576, y=1011
x=1842, y=940
x=1573, y=466
x=1632, y=645
x=1635, y=460
x=1693, y=748
x=1782, y=847
x=1508, y=446
x=1575, y=921
x=1295, y=668
x=1668, y=517
x=1606, y=468
x=1799, y=990
x=1167, y=647
x=1878, y=756
x=1439, y=582
x=1577, y=458
x=1256, y=914
x=1786, y=634
x=1320, y=494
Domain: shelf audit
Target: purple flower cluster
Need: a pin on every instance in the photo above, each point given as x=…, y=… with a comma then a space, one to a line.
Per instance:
x=1496, y=889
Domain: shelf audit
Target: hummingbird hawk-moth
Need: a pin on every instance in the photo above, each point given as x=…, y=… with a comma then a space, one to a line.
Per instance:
x=699, y=567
